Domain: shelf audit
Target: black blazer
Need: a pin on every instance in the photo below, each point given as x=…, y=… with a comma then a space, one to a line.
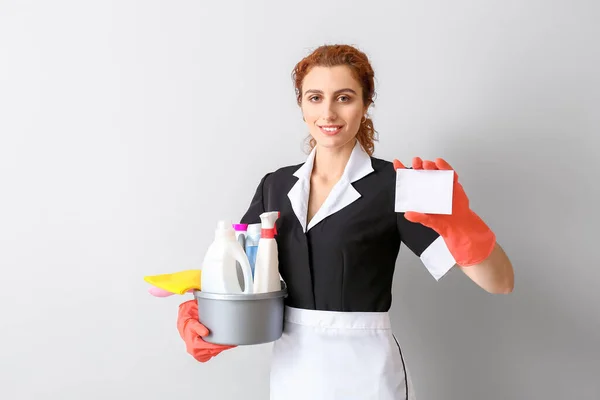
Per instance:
x=344, y=259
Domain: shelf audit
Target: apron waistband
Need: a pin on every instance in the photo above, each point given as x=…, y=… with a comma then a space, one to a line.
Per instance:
x=338, y=319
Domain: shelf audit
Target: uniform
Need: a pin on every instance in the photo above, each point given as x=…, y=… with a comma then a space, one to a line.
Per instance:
x=337, y=341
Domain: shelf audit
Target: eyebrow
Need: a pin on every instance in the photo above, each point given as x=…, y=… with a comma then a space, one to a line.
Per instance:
x=336, y=92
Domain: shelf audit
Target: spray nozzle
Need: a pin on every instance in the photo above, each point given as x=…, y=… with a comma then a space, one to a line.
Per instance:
x=268, y=219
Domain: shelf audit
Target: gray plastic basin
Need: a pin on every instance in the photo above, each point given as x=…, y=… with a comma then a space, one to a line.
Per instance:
x=242, y=319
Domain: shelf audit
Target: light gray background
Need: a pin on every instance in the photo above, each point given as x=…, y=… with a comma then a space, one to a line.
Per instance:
x=129, y=127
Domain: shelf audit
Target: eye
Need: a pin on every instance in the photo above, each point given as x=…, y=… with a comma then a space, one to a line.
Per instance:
x=344, y=98
x=313, y=98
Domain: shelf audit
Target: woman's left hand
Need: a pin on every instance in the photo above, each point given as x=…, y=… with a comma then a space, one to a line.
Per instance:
x=468, y=238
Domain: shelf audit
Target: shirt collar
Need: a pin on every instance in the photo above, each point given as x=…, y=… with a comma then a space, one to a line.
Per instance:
x=358, y=166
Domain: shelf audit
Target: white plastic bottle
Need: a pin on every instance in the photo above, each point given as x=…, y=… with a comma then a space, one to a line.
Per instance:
x=240, y=235
x=266, y=269
x=219, y=272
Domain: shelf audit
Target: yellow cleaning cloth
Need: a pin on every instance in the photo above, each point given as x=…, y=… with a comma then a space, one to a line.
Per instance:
x=178, y=282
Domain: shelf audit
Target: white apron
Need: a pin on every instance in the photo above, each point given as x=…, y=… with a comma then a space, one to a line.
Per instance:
x=328, y=355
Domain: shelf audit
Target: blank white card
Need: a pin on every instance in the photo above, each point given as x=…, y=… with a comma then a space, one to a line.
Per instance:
x=425, y=191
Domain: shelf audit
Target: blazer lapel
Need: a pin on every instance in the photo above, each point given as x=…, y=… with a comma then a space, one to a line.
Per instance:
x=342, y=194
x=299, y=193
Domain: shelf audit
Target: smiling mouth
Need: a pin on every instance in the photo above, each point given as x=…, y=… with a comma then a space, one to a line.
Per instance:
x=330, y=129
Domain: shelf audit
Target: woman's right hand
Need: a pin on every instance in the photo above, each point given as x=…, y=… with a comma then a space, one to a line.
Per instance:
x=192, y=331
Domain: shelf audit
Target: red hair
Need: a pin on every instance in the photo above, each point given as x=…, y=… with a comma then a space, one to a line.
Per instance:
x=358, y=62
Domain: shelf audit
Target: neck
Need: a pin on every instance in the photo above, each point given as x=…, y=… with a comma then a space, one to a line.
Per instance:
x=330, y=162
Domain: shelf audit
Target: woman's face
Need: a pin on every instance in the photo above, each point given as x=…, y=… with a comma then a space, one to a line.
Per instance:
x=332, y=105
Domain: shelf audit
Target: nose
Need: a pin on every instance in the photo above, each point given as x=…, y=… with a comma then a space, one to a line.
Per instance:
x=329, y=113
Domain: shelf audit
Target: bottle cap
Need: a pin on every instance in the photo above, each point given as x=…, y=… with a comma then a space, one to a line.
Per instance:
x=224, y=228
x=240, y=227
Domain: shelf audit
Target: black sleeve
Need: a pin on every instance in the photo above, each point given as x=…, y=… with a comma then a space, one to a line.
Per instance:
x=426, y=244
x=257, y=207
x=415, y=236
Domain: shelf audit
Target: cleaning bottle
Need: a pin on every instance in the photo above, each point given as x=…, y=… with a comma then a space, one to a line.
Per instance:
x=252, y=239
x=240, y=235
x=219, y=272
x=266, y=270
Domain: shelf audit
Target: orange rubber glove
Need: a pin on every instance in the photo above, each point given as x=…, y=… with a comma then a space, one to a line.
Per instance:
x=468, y=238
x=191, y=331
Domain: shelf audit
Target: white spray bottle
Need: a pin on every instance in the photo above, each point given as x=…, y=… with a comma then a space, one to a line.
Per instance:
x=266, y=269
x=219, y=271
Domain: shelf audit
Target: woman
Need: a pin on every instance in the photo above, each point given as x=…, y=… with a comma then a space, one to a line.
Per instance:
x=339, y=237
